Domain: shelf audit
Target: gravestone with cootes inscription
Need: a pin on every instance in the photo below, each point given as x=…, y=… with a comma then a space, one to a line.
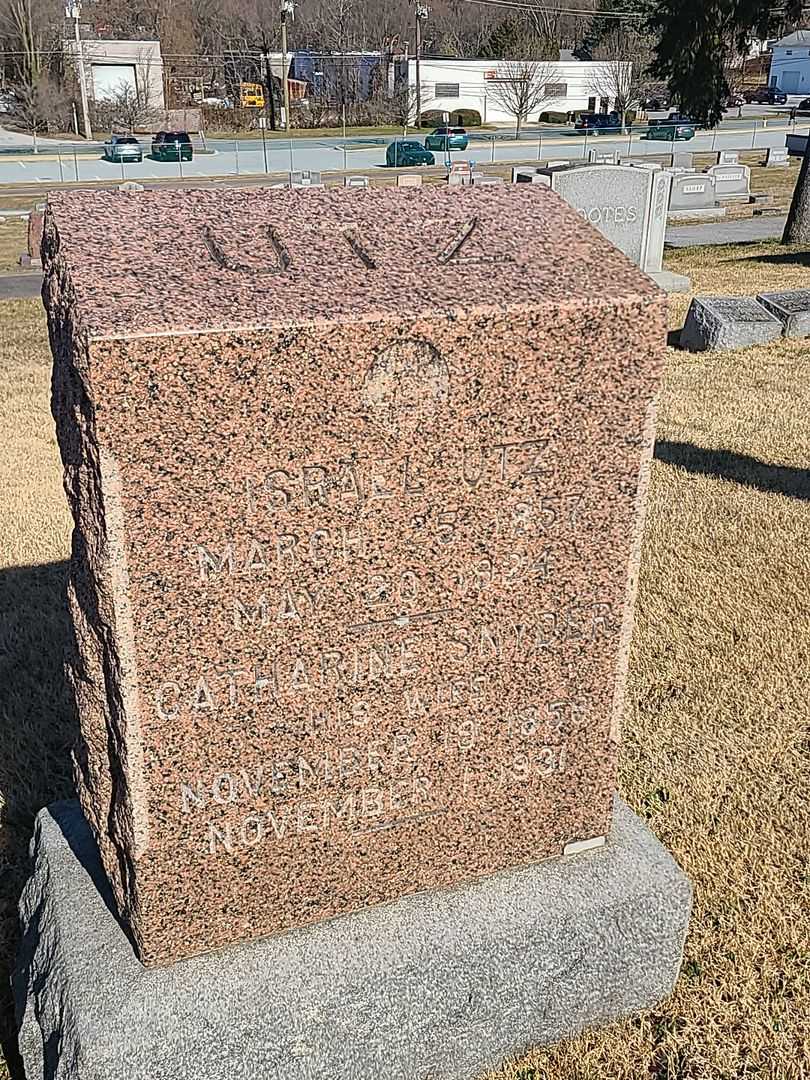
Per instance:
x=358, y=516
x=628, y=205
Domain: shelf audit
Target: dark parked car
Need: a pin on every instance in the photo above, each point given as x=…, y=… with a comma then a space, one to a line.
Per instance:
x=766, y=95
x=406, y=152
x=803, y=108
x=172, y=146
x=666, y=130
x=599, y=123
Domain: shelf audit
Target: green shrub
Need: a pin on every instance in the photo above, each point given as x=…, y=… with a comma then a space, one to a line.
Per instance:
x=432, y=118
x=465, y=118
x=554, y=118
x=460, y=118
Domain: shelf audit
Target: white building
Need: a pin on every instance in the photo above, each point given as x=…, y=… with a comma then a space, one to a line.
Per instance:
x=790, y=64
x=449, y=85
x=111, y=65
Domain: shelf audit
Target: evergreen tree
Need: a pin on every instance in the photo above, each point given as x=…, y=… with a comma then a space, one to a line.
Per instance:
x=695, y=39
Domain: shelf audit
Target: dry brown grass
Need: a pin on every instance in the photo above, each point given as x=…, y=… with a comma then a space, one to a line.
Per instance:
x=36, y=720
x=716, y=742
x=13, y=242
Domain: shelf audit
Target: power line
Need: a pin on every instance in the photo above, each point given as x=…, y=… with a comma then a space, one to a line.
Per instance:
x=519, y=5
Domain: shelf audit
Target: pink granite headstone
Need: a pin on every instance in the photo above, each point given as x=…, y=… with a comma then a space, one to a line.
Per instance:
x=355, y=478
x=31, y=257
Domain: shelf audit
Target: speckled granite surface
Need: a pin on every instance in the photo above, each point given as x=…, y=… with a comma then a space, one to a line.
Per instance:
x=36, y=222
x=355, y=477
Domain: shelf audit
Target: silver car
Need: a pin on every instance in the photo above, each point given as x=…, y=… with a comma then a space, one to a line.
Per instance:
x=123, y=148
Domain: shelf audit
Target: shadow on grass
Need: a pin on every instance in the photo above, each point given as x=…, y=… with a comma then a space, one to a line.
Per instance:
x=38, y=729
x=784, y=258
x=742, y=469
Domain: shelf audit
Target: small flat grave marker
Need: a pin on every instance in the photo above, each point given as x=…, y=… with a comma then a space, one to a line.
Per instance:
x=728, y=322
x=792, y=308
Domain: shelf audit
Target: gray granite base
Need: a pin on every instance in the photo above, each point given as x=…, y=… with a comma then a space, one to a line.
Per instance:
x=704, y=213
x=436, y=986
x=671, y=282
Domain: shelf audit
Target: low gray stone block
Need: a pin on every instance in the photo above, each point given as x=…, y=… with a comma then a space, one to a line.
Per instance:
x=439, y=985
x=671, y=282
x=791, y=308
x=727, y=322
x=708, y=213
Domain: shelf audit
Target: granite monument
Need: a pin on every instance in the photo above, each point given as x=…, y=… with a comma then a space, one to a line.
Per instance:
x=357, y=487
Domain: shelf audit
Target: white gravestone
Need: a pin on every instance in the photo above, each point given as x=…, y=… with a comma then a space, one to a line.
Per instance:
x=731, y=181
x=682, y=160
x=693, y=194
x=728, y=157
x=777, y=157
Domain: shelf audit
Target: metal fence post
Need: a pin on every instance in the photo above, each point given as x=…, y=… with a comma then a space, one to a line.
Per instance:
x=76, y=162
x=492, y=149
x=61, y=170
x=754, y=138
x=236, y=150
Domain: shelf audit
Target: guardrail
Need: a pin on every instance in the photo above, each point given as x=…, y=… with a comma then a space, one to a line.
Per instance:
x=75, y=162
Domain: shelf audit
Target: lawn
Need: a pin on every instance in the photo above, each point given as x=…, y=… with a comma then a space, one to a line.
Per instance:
x=13, y=242
x=715, y=733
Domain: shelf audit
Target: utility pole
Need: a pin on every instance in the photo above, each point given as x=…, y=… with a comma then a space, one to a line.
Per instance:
x=73, y=11
x=287, y=8
x=270, y=97
x=422, y=12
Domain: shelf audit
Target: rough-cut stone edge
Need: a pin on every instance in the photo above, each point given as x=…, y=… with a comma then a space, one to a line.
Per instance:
x=100, y=673
x=439, y=985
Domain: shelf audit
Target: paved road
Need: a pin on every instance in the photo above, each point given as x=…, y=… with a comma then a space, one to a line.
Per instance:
x=251, y=158
x=20, y=286
x=749, y=230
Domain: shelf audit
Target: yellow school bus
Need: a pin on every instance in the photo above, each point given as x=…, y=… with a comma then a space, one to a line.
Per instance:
x=251, y=95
